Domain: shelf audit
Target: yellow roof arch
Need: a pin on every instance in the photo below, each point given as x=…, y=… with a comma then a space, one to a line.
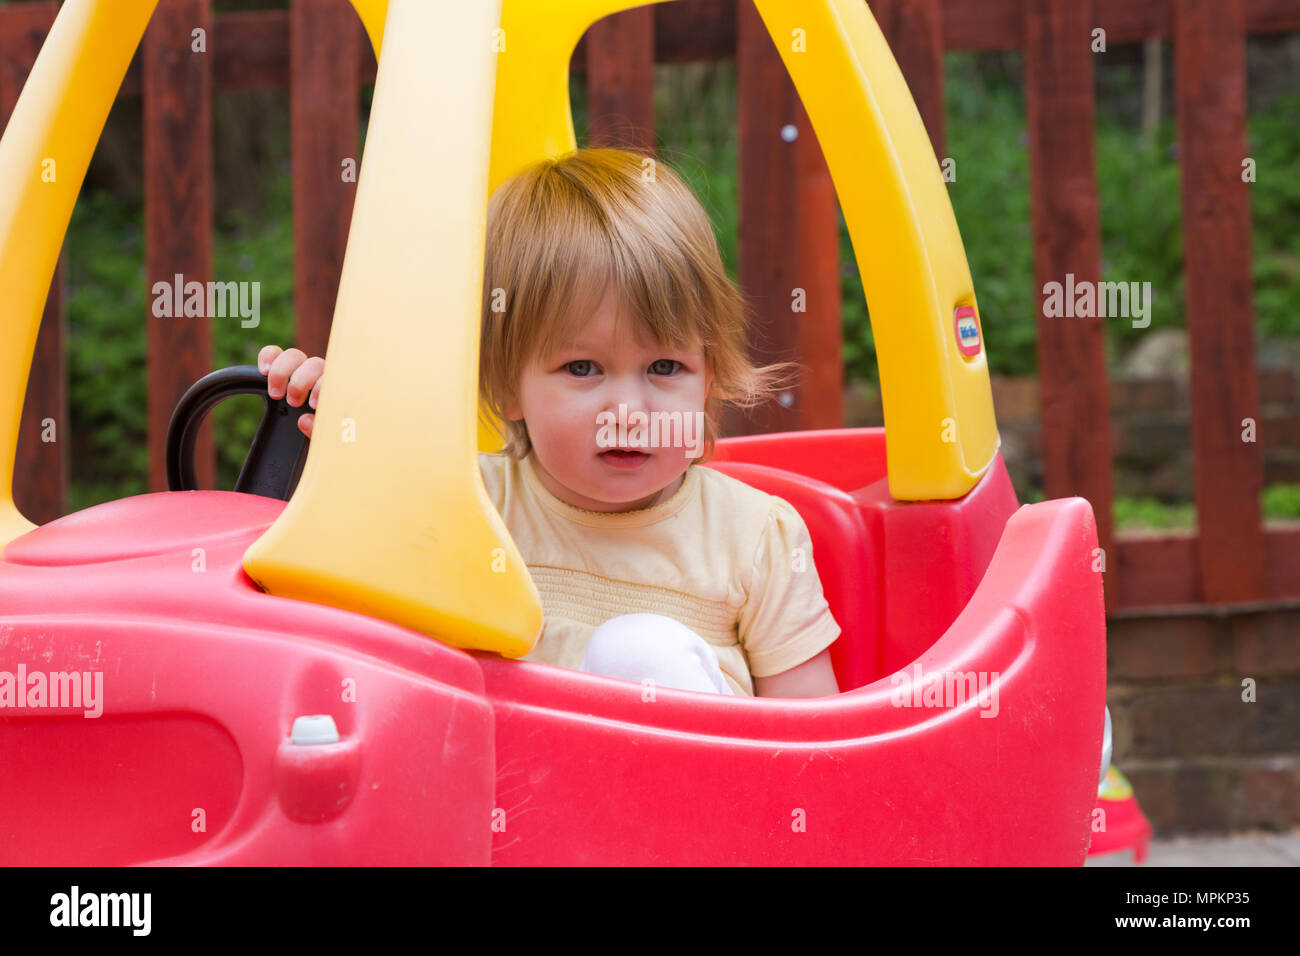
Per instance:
x=390, y=517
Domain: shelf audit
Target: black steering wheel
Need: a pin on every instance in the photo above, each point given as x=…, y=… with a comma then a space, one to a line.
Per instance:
x=278, y=451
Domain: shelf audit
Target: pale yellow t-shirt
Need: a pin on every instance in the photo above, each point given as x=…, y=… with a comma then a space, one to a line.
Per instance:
x=732, y=563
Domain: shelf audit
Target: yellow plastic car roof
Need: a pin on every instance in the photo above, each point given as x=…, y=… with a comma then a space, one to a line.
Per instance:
x=390, y=517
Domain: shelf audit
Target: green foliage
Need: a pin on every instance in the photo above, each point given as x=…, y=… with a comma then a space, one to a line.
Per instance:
x=261, y=252
x=1141, y=223
x=987, y=139
x=1275, y=212
x=107, y=336
x=696, y=133
x=1282, y=502
x=106, y=350
x=1150, y=514
x=1141, y=218
x=695, y=113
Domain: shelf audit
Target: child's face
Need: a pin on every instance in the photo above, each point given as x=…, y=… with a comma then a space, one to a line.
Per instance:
x=570, y=404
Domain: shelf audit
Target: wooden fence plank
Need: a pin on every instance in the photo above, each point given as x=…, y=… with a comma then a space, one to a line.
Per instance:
x=998, y=24
x=683, y=32
x=820, y=397
x=1210, y=71
x=23, y=29
x=1127, y=22
x=914, y=29
x=983, y=24
x=1158, y=571
x=1272, y=16
x=178, y=216
x=250, y=51
x=766, y=102
x=324, y=114
x=1067, y=241
x=1282, y=549
x=620, y=80
x=251, y=48
x=1164, y=570
x=788, y=239
x=41, y=466
x=699, y=30
x=45, y=433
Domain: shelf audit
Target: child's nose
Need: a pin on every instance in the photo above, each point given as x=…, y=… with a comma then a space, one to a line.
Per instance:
x=630, y=395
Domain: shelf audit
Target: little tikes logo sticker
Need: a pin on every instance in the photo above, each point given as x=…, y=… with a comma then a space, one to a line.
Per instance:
x=967, y=328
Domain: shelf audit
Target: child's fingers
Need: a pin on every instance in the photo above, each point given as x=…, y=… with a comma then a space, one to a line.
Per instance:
x=304, y=378
x=306, y=423
x=284, y=365
x=315, y=392
x=266, y=357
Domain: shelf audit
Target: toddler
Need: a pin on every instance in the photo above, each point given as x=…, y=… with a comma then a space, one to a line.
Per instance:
x=611, y=336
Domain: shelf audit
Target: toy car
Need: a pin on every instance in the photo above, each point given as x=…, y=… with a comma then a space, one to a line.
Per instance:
x=332, y=679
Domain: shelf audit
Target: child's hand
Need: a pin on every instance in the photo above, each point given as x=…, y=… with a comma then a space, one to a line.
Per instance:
x=296, y=372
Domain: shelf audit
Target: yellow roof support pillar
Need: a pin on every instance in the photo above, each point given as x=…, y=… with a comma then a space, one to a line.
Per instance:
x=940, y=433
x=43, y=159
x=390, y=517
x=533, y=116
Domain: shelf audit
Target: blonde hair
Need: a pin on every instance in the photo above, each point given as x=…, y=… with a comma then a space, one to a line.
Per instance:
x=564, y=231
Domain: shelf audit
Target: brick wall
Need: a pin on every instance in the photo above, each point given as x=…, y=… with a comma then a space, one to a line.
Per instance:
x=1200, y=758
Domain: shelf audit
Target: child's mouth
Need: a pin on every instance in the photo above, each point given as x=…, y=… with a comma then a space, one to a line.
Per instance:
x=624, y=458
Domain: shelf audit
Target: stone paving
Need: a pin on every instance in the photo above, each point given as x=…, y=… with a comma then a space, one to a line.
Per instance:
x=1236, y=849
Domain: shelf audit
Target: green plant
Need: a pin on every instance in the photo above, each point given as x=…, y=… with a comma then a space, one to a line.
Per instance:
x=259, y=252
x=1150, y=514
x=107, y=336
x=1282, y=501
x=106, y=339
x=696, y=133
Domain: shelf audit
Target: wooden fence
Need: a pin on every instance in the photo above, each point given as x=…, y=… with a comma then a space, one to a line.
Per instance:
x=788, y=223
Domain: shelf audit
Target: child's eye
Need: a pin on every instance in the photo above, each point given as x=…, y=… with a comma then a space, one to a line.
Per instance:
x=664, y=366
x=582, y=368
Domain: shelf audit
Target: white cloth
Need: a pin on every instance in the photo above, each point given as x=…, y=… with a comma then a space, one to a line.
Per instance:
x=640, y=647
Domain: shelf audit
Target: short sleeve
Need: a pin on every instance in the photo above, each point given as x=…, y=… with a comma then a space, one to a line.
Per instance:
x=786, y=620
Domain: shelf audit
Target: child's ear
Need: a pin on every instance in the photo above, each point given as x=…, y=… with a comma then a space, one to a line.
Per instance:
x=510, y=405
